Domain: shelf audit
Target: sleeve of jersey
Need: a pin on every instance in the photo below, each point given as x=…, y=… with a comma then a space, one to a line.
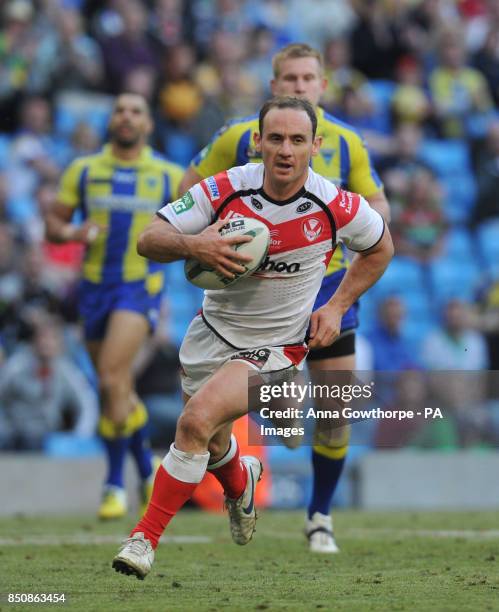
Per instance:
x=363, y=177
x=69, y=191
x=363, y=230
x=191, y=214
x=218, y=155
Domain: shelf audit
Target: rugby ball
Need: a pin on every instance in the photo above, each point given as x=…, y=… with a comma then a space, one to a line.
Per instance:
x=208, y=278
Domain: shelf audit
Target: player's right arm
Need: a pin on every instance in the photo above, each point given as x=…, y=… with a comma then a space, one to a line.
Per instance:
x=184, y=229
x=58, y=226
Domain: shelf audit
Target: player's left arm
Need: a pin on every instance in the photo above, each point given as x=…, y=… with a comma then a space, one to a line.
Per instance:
x=367, y=267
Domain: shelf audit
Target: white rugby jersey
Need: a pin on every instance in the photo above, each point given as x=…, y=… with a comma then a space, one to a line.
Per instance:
x=272, y=306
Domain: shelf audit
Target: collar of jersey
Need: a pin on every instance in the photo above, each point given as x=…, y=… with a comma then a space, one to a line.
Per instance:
x=144, y=156
x=301, y=192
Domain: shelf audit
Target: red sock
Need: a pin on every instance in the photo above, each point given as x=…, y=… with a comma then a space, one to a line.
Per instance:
x=168, y=496
x=231, y=474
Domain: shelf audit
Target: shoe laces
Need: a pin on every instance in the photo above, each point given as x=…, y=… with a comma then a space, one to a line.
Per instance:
x=136, y=545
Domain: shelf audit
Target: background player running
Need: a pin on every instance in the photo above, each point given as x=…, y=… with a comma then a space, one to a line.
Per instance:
x=116, y=190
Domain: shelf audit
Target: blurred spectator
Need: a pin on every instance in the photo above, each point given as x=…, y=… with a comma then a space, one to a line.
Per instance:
x=344, y=82
x=418, y=226
x=10, y=288
x=487, y=321
x=132, y=47
x=17, y=50
x=487, y=175
x=377, y=38
x=223, y=79
x=403, y=160
x=390, y=346
x=486, y=60
x=32, y=161
x=42, y=392
x=458, y=91
x=321, y=20
x=410, y=102
x=410, y=393
x=168, y=21
x=456, y=345
x=186, y=118
x=78, y=62
x=157, y=370
x=262, y=46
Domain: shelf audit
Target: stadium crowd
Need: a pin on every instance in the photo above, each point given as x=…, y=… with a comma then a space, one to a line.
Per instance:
x=418, y=78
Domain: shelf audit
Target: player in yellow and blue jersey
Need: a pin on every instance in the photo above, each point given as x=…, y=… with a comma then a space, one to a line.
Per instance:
x=344, y=160
x=117, y=190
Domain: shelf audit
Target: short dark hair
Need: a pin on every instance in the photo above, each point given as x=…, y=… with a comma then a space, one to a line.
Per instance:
x=288, y=102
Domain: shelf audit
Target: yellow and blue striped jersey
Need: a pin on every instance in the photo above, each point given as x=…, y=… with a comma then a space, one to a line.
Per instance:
x=122, y=196
x=343, y=159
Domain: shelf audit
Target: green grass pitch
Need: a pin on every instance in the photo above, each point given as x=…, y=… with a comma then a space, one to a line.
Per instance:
x=447, y=561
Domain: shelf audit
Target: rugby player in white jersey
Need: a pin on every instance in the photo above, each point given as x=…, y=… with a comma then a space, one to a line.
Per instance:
x=265, y=314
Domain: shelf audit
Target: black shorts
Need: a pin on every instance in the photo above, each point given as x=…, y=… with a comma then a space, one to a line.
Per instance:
x=344, y=345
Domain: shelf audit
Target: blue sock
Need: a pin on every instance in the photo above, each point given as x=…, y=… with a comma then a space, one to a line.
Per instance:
x=116, y=450
x=141, y=451
x=326, y=476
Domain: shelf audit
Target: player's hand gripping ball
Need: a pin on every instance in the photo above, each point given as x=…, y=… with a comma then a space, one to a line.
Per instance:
x=208, y=278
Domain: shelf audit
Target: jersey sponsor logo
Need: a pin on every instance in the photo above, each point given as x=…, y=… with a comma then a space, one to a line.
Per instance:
x=346, y=201
x=120, y=176
x=185, y=203
x=312, y=229
x=212, y=188
x=270, y=265
x=274, y=240
x=303, y=207
x=257, y=357
x=256, y=204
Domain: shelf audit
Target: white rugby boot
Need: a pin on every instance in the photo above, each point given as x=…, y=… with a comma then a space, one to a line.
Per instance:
x=242, y=511
x=319, y=531
x=136, y=557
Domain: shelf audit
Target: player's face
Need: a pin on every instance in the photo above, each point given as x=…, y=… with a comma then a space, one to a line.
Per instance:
x=130, y=123
x=286, y=145
x=300, y=77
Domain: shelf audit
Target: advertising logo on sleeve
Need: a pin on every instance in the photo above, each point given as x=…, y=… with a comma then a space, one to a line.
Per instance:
x=312, y=229
x=346, y=201
x=185, y=203
x=212, y=188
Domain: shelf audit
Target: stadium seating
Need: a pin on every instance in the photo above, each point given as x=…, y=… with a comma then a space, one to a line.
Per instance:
x=451, y=162
x=451, y=280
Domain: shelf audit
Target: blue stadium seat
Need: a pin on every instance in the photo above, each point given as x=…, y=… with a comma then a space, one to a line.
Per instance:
x=459, y=244
x=402, y=273
x=460, y=196
x=446, y=157
x=488, y=241
x=4, y=150
x=451, y=279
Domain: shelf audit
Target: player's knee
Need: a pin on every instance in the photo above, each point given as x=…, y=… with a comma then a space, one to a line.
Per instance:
x=194, y=427
x=110, y=380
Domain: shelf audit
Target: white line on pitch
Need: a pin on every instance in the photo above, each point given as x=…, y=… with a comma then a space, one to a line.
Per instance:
x=47, y=540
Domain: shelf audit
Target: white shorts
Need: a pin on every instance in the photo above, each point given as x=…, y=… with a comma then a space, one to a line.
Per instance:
x=202, y=353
